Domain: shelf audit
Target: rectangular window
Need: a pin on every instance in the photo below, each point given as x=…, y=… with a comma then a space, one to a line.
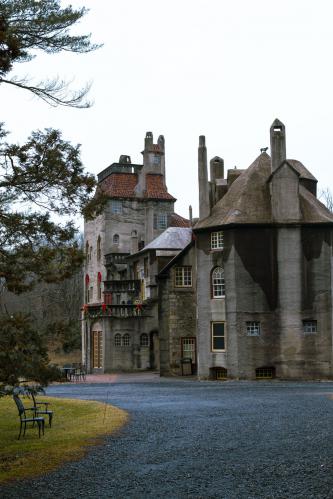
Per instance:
x=116, y=206
x=160, y=221
x=218, y=336
x=309, y=326
x=217, y=240
x=183, y=277
x=253, y=328
x=99, y=291
x=188, y=349
x=91, y=293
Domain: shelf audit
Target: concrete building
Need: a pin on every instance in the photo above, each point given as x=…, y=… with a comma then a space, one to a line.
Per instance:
x=245, y=293
x=120, y=313
x=264, y=260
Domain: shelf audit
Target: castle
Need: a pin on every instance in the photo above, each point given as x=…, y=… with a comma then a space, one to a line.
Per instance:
x=243, y=292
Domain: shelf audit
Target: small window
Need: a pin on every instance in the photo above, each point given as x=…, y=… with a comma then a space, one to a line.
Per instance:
x=90, y=253
x=126, y=340
x=183, y=277
x=116, y=206
x=218, y=286
x=99, y=290
x=219, y=373
x=117, y=299
x=91, y=292
x=253, y=328
x=218, y=336
x=116, y=239
x=141, y=245
x=160, y=221
x=144, y=340
x=217, y=240
x=265, y=372
x=309, y=326
x=117, y=340
x=99, y=252
x=87, y=251
x=156, y=160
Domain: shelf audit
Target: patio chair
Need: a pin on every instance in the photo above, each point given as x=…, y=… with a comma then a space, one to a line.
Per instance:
x=80, y=373
x=24, y=418
x=46, y=410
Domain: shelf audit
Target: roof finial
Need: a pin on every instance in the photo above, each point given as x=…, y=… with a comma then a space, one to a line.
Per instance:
x=263, y=149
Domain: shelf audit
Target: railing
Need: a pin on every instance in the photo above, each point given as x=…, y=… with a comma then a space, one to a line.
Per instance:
x=115, y=258
x=118, y=311
x=122, y=286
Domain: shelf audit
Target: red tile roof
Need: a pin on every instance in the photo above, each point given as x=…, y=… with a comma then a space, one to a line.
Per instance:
x=120, y=185
x=178, y=221
x=155, y=189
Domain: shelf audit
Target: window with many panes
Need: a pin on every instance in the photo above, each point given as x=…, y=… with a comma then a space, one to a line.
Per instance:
x=253, y=328
x=144, y=340
x=183, y=276
x=117, y=340
x=309, y=326
x=218, y=336
x=160, y=221
x=217, y=240
x=218, y=288
x=126, y=340
x=116, y=206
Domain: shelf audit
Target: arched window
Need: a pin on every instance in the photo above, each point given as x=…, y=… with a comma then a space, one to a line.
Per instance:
x=218, y=289
x=126, y=340
x=144, y=342
x=117, y=340
x=116, y=239
x=99, y=251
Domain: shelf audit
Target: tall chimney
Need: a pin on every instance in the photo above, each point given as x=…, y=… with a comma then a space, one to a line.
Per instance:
x=278, y=144
x=190, y=214
x=204, y=207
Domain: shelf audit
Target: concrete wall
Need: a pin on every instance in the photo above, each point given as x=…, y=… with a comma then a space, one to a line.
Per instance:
x=278, y=277
x=177, y=316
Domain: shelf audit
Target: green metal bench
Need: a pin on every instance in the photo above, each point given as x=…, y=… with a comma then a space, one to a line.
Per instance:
x=24, y=418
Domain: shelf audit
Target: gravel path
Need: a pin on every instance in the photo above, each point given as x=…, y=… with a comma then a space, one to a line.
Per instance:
x=189, y=439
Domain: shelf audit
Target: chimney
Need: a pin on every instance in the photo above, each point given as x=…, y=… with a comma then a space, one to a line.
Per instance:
x=190, y=214
x=278, y=144
x=216, y=168
x=203, y=179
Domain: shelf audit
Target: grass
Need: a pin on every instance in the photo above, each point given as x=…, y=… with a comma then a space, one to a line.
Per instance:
x=76, y=425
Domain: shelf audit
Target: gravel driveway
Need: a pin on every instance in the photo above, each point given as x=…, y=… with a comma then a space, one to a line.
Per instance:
x=190, y=439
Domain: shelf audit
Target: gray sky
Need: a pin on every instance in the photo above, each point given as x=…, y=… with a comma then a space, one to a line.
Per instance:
x=222, y=68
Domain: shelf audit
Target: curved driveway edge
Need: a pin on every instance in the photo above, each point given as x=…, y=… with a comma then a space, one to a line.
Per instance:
x=189, y=439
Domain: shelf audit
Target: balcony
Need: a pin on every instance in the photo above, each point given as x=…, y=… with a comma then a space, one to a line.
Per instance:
x=116, y=311
x=122, y=286
x=115, y=258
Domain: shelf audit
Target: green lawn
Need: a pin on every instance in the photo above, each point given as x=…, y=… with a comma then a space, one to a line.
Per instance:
x=76, y=425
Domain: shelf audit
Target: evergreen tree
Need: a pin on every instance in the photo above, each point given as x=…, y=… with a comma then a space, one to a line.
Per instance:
x=30, y=26
x=43, y=185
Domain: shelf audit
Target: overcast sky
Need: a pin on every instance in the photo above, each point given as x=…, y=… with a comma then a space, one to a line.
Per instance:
x=183, y=68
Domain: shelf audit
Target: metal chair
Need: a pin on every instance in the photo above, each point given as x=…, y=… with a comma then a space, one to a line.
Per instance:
x=24, y=419
x=45, y=411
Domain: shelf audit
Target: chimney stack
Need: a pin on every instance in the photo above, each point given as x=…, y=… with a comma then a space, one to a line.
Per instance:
x=278, y=144
x=204, y=206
